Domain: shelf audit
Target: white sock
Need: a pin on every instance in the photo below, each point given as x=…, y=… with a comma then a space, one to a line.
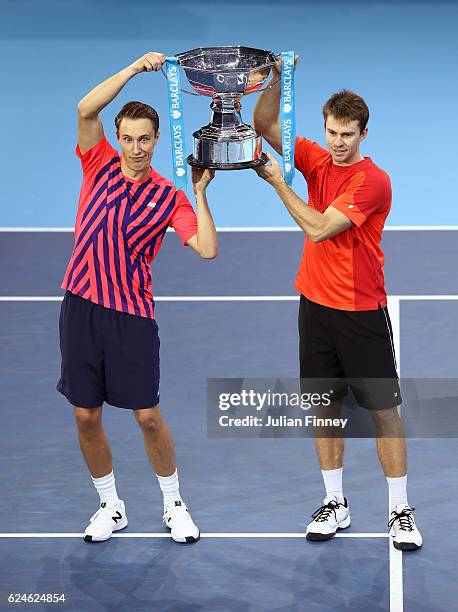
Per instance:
x=170, y=488
x=333, y=483
x=398, y=491
x=106, y=488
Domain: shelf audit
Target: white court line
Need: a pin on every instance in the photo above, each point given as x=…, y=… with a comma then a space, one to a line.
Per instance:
x=394, y=299
x=395, y=556
x=396, y=579
x=202, y=535
x=394, y=310
x=424, y=297
x=396, y=576
x=31, y=298
x=165, y=298
x=393, y=228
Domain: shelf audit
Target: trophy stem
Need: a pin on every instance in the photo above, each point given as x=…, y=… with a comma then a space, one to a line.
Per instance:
x=227, y=143
x=226, y=111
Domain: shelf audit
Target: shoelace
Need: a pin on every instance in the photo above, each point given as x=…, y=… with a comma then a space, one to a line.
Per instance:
x=322, y=514
x=102, y=508
x=405, y=519
x=99, y=511
x=168, y=513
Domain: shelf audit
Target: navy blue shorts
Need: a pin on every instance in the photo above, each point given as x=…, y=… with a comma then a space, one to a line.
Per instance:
x=107, y=356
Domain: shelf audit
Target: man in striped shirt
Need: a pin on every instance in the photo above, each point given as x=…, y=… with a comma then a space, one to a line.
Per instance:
x=108, y=334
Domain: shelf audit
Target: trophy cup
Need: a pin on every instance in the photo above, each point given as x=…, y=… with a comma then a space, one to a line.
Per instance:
x=225, y=74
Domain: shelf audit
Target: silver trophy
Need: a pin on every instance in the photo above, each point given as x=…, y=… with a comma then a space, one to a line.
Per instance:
x=225, y=74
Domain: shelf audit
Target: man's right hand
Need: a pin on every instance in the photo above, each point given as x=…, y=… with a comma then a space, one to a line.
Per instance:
x=266, y=111
x=276, y=68
x=152, y=60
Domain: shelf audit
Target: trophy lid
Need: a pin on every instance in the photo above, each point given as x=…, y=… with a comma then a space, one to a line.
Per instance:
x=229, y=69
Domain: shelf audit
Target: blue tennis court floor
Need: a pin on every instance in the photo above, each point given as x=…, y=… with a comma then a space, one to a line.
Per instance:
x=235, y=317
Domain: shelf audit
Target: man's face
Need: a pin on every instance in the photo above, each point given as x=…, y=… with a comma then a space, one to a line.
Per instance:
x=343, y=140
x=137, y=139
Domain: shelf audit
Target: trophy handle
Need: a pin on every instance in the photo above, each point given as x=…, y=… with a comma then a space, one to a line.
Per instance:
x=268, y=65
x=190, y=93
x=268, y=86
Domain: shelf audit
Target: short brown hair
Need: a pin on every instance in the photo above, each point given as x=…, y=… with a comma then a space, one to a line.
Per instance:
x=137, y=110
x=345, y=106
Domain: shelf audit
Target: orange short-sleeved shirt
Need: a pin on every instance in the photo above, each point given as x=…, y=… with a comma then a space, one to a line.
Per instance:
x=346, y=271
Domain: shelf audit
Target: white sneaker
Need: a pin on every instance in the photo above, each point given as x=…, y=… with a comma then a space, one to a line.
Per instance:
x=328, y=519
x=179, y=521
x=108, y=518
x=403, y=530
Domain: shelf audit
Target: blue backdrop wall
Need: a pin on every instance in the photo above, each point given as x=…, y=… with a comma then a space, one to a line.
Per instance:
x=402, y=57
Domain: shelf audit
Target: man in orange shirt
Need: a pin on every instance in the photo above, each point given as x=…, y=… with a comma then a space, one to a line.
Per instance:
x=344, y=326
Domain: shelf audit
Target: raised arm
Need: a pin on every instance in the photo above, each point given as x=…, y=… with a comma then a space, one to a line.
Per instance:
x=205, y=242
x=90, y=129
x=266, y=111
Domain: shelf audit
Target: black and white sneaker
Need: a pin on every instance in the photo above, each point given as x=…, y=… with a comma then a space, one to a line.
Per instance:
x=180, y=523
x=403, y=530
x=108, y=518
x=328, y=519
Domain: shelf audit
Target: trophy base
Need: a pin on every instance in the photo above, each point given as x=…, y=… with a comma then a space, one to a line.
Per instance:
x=255, y=163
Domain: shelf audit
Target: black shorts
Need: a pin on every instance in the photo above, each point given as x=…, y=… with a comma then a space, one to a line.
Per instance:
x=107, y=356
x=349, y=349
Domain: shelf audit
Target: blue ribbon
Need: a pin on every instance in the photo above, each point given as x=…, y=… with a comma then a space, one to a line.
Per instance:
x=287, y=115
x=177, y=133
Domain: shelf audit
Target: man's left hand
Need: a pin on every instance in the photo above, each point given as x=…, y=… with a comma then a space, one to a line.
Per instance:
x=271, y=172
x=201, y=177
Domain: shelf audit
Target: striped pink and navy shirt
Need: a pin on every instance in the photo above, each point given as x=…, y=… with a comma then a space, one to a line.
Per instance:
x=120, y=225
